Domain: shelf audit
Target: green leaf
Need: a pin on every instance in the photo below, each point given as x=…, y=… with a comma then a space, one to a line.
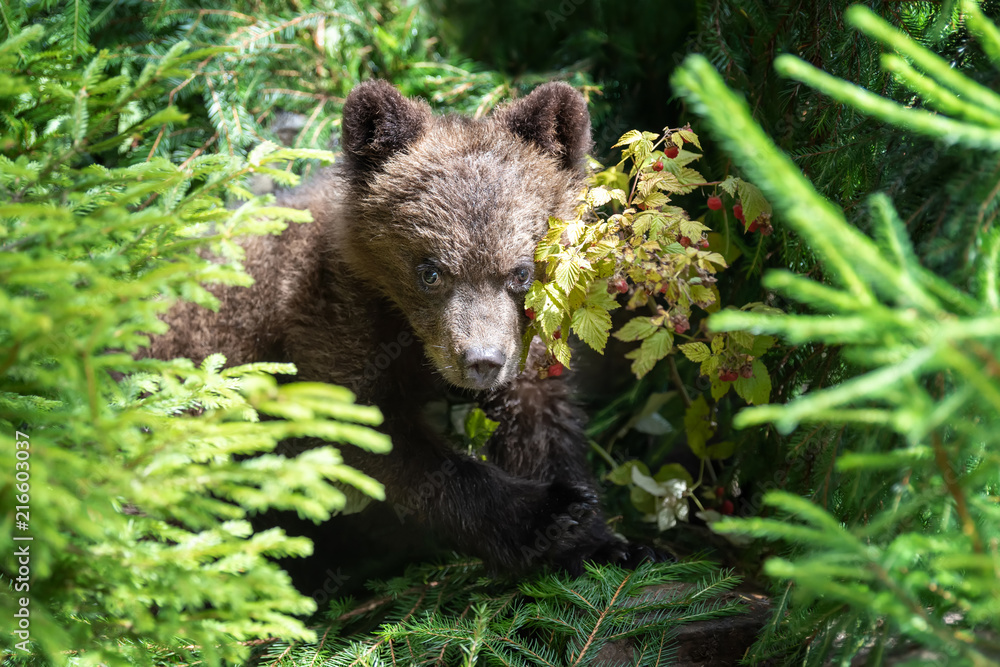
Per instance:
x=652, y=350
x=753, y=202
x=742, y=338
x=762, y=344
x=695, y=351
x=479, y=427
x=755, y=390
x=629, y=138
x=719, y=387
x=721, y=450
x=568, y=273
x=673, y=471
x=622, y=475
x=638, y=328
x=698, y=426
x=730, y=185
x=690, y=137
x=592, y=323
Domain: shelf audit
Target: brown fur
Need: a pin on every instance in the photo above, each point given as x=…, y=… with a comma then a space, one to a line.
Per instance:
x=418, y=196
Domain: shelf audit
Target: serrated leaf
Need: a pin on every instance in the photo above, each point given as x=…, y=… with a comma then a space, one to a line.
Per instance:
x=762, y=344
x=692, y=228
x=719, y=387
x=560, y=350
x=753, y=202
x=651, y=351
x=598, y=196
x=703, y=296
x=695, y=351
x=592, y=323
x=755, y=390
x=698, y=426
x=567, y=274
x=690, y=137
x=718, y=343
x=638, y=328
x=709, y=366
x=729, y=185
x=655, y=200
x=742, y=338
x=629, y=138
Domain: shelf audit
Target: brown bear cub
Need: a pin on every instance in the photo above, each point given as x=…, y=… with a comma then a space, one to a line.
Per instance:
x=409, y=285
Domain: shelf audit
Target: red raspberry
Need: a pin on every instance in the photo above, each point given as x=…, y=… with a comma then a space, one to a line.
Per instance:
x=727, y=508
x=555, y=370
x=530, y=313
x=719, y=492
x=704, y=243
x=715, y=203
x=754, y=226
x=658, y=165
x=620, y=285
x=728, y=376
x=738, y=211
x=672, y=152
x=684, y=241
x=557, y=334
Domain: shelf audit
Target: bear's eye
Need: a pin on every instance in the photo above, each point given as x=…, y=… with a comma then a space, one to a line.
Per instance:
x=429, y=275
x=521, y=276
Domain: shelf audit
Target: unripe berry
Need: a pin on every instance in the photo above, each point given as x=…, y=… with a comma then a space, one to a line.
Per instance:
x=747, y=372
x=555, y=370
x=658, y=165
x=715, y=203
x=672, y=152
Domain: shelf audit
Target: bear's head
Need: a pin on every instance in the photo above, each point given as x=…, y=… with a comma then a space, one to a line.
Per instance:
x=443, y=214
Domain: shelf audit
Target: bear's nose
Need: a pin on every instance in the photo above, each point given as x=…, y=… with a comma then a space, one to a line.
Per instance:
x=483, y=364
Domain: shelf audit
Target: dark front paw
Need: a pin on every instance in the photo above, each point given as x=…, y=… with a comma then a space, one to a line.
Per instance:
x=612, y=551
x=562, y=524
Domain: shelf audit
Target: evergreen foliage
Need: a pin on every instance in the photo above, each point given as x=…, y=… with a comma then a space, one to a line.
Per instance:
x=904, y=547
x=451, y=615
x=128, y=484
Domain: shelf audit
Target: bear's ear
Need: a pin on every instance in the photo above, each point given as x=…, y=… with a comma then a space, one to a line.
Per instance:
x=378, y=121
x=554, y=117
